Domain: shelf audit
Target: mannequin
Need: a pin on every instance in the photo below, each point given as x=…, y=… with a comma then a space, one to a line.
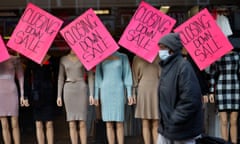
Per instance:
x=145, y=77
x=40, y=80
x=71, y=82
x=224, y=74
x=9, y=96
x=112, y=76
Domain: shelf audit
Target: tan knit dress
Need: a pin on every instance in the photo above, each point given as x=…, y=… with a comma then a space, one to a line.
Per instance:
x=145, y=77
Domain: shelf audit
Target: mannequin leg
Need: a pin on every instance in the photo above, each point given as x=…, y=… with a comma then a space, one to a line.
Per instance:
x=110, y=133
x=233, y=127
x=49, y=132
x=154, y=131
x=5, y=130
x=39, y=132
x=83, y=132
x=224, y=125
x=73, y=132
x=15, y=129
x=146, y=131
x=120, y=132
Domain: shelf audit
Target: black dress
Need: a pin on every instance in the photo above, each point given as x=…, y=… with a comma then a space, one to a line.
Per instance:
x=41, y=95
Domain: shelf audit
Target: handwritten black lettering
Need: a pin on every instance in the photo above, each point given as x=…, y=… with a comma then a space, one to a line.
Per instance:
x=93, y=45
x=194, y=29
x=206, y=46
x=142, y=41
x=28, y=41
x=202, y=39
x=80, y=29
x=39, y=21
x=37, y=33
x=151, y=19
x=149, y=24
x=37, y=26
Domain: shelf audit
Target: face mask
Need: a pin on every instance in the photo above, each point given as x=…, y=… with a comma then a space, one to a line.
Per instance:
x=163, y=54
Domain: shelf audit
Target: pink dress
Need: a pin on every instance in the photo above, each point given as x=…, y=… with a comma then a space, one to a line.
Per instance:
x=9, y=103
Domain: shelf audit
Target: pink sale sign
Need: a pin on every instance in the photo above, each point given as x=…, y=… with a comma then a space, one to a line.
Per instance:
x=3, y=51
x=34, y=33
x=89, y=39
x=145, y=29
x=203, y=39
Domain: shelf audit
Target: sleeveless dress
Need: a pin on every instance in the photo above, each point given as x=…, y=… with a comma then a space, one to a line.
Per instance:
x=9, y=96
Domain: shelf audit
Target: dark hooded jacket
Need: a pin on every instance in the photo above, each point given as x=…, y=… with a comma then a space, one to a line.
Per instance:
x=179, y=100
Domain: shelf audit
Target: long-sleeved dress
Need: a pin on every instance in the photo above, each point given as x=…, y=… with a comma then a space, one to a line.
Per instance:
x=224, y=80
x=9, y=96
x=40, y=79
x=72, y=86
x=145, y=78
x=112, y=77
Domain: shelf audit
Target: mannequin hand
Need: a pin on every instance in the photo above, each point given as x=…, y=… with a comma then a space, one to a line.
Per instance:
x=26, y=103
x=211, y=98
x=134, y=100
x=96, y=102
x=21, y=101
x=91, y=100
x=59, y=102
x=205, y=99
x=130, y=100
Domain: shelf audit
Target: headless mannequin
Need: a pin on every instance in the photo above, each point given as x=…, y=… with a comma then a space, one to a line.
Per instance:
x=14, y=119
x=40, y=124
x=74, y=125
x=149, y=129
x=40, y=132
x=226, y=116
x=15, y=130
x=233, y=117
x=110, y=124
x=149, y=126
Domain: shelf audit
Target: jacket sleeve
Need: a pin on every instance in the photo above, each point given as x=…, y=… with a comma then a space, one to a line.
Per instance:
x=189, y=92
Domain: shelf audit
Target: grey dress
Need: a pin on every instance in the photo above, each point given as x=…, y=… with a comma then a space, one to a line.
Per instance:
x=72, y=85
x=145, y=77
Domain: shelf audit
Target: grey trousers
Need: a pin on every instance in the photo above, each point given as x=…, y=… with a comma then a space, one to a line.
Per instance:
x=163, y=140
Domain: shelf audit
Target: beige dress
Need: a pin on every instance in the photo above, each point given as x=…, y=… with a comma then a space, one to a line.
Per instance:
x=145, y=78
x=72, y=85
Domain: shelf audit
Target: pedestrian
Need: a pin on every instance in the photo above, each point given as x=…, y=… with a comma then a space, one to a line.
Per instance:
x=180, y=100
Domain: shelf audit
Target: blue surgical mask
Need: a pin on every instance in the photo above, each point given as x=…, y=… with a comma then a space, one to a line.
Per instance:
x=163, y=54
